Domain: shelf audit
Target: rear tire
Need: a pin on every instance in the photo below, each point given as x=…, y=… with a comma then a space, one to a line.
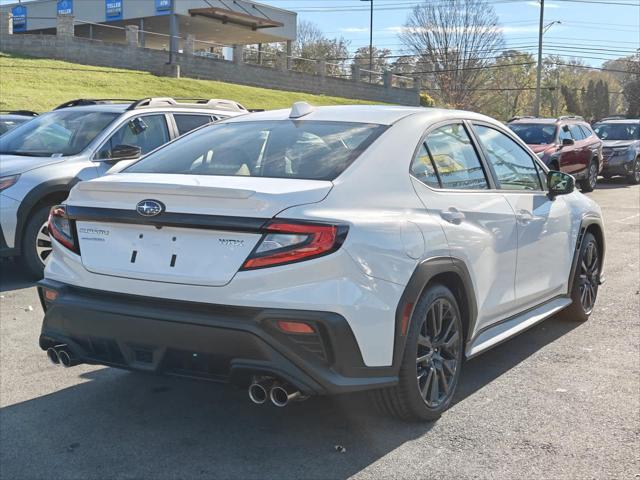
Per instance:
x=589, y=183
x=36, y=244
x=431, y=361
x=584, y=290
x=634, y=177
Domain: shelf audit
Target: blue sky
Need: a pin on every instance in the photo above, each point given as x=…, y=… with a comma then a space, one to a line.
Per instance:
x=594, y=32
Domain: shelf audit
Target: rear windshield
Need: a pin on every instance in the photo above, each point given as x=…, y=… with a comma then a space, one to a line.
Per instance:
x=279, y=149
x=618, y=131
x=534, y=134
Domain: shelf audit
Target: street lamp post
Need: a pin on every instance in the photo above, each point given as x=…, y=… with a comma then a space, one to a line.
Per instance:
x=536, y=107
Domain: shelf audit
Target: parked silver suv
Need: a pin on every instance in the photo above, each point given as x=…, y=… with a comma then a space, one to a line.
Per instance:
x=82, y=139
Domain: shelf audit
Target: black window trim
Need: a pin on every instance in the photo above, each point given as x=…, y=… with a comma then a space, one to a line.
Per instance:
x=174, y=123
x=474, y=143
x=540, y=167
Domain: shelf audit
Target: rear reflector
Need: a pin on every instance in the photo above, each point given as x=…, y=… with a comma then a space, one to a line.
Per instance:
x=50, y=295
x=406, y=315
x=295, y=327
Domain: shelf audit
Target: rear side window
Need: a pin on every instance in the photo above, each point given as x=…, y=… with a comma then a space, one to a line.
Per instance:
x=514, y=168
x=300, y=149
x=454, y=159
x=186, y=123
x=422, y=168
x=586, y=131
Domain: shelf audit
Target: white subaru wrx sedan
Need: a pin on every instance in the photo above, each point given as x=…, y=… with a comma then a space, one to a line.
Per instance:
x=320, y=251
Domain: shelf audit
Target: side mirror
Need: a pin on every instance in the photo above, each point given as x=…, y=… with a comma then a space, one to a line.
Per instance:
x=567, y=142
x=125, y=152
x=559, y=183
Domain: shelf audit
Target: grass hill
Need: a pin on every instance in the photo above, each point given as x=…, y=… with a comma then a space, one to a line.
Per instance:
x=41, y=84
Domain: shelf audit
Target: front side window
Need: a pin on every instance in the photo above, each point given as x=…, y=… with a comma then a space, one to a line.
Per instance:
x=186, y=123
x=311, y=150
x=565, y=134
x=514, y=168
x=147, y=132
x=58, y=133
x=454, y=158
x=576, y=132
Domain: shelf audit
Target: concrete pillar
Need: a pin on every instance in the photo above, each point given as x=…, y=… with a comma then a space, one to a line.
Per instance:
x=189, y=45
x=238, y=57
x=387, y=78
x=355, y=72
x=172, y=70
x=131, y=33
x=321, y=68
x=174, y=38
x=141, y=36
x=65, y=26
x=288, y=59
x=282, y=61
x=6, y=23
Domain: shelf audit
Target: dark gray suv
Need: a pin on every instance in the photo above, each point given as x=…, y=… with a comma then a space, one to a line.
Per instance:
x=621, y=148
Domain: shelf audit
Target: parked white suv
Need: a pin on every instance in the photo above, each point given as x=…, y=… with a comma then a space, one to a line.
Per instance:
x=320, y=251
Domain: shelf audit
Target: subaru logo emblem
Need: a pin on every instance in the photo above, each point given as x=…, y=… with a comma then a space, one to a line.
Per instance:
x=150, y=208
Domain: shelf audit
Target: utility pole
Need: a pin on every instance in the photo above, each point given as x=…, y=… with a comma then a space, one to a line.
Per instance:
x=370, y=36
x=536, y=108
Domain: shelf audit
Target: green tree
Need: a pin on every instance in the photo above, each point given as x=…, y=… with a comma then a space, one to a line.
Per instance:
x=571, y=100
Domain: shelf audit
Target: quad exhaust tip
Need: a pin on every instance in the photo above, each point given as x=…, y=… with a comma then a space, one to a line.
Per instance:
x=259, y=390
x=268, y=388
x=52, y=354
x=281, y=395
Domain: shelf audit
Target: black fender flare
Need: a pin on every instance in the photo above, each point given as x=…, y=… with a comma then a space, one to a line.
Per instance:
x=35, y=195
x=422, y=275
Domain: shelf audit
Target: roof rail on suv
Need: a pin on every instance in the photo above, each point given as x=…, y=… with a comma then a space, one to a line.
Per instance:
x=519, y=117
x=614, y=117
x=214, y=103
x=24, y=113
x=79, y=102
x=571, y=117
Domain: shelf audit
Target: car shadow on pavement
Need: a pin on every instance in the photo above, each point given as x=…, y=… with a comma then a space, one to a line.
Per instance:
x=13, y=276
x=615, y=182
x=119, y=424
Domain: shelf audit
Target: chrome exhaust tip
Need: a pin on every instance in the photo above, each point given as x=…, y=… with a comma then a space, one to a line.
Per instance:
x=52, y=355
x=281, y=395
x=259, y=390
x=66, y=358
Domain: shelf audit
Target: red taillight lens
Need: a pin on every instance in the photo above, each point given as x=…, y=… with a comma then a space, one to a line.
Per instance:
x=288, y=242
x=60, y=228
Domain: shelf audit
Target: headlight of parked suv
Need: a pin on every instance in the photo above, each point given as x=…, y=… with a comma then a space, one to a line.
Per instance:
x=6, y=182
x=619, y=150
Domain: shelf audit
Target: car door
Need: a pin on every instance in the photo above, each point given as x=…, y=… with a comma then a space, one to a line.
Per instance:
x=581, y=147
x=568, y=157
x=545, y=249
x=145, y=131
x=479, y=224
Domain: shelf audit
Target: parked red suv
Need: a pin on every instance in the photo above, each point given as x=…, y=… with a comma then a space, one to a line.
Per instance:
x=566, y=143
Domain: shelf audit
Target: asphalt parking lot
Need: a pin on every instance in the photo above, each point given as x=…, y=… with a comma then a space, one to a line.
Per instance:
x=561, y=400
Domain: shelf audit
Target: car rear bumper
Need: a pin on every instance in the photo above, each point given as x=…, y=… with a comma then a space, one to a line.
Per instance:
x=212, y=342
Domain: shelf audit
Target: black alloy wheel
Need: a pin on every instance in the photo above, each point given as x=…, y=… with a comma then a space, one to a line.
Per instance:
x=437, y=353
x=589, y=183
x=586, y=282
x=431, y=361
x=634, y=176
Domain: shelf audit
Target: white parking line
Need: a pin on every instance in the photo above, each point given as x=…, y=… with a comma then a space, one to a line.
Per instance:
x=624, y=220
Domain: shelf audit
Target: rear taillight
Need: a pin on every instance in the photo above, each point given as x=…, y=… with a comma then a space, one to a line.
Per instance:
x=61, y=229
x=287, y=242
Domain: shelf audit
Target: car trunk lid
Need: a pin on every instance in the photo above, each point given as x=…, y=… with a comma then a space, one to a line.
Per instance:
x=207, y=227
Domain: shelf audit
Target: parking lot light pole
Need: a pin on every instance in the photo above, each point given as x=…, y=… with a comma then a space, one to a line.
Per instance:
x=536, y=107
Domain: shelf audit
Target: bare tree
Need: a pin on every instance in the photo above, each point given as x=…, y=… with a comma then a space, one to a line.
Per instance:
x=312, y=44
x=457, y=40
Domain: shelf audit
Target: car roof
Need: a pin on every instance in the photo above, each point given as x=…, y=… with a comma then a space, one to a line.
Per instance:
x=13, y=116
x=376, y=114
x=621, y=120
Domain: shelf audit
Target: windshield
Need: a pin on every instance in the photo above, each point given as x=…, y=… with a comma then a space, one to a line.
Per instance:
x=59, y=133
x=278, y=149
x=534, y=134
x=618, y=131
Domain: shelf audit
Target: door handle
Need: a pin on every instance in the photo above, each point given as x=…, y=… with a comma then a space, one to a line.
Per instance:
x=452, y=215
x=524, y=217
